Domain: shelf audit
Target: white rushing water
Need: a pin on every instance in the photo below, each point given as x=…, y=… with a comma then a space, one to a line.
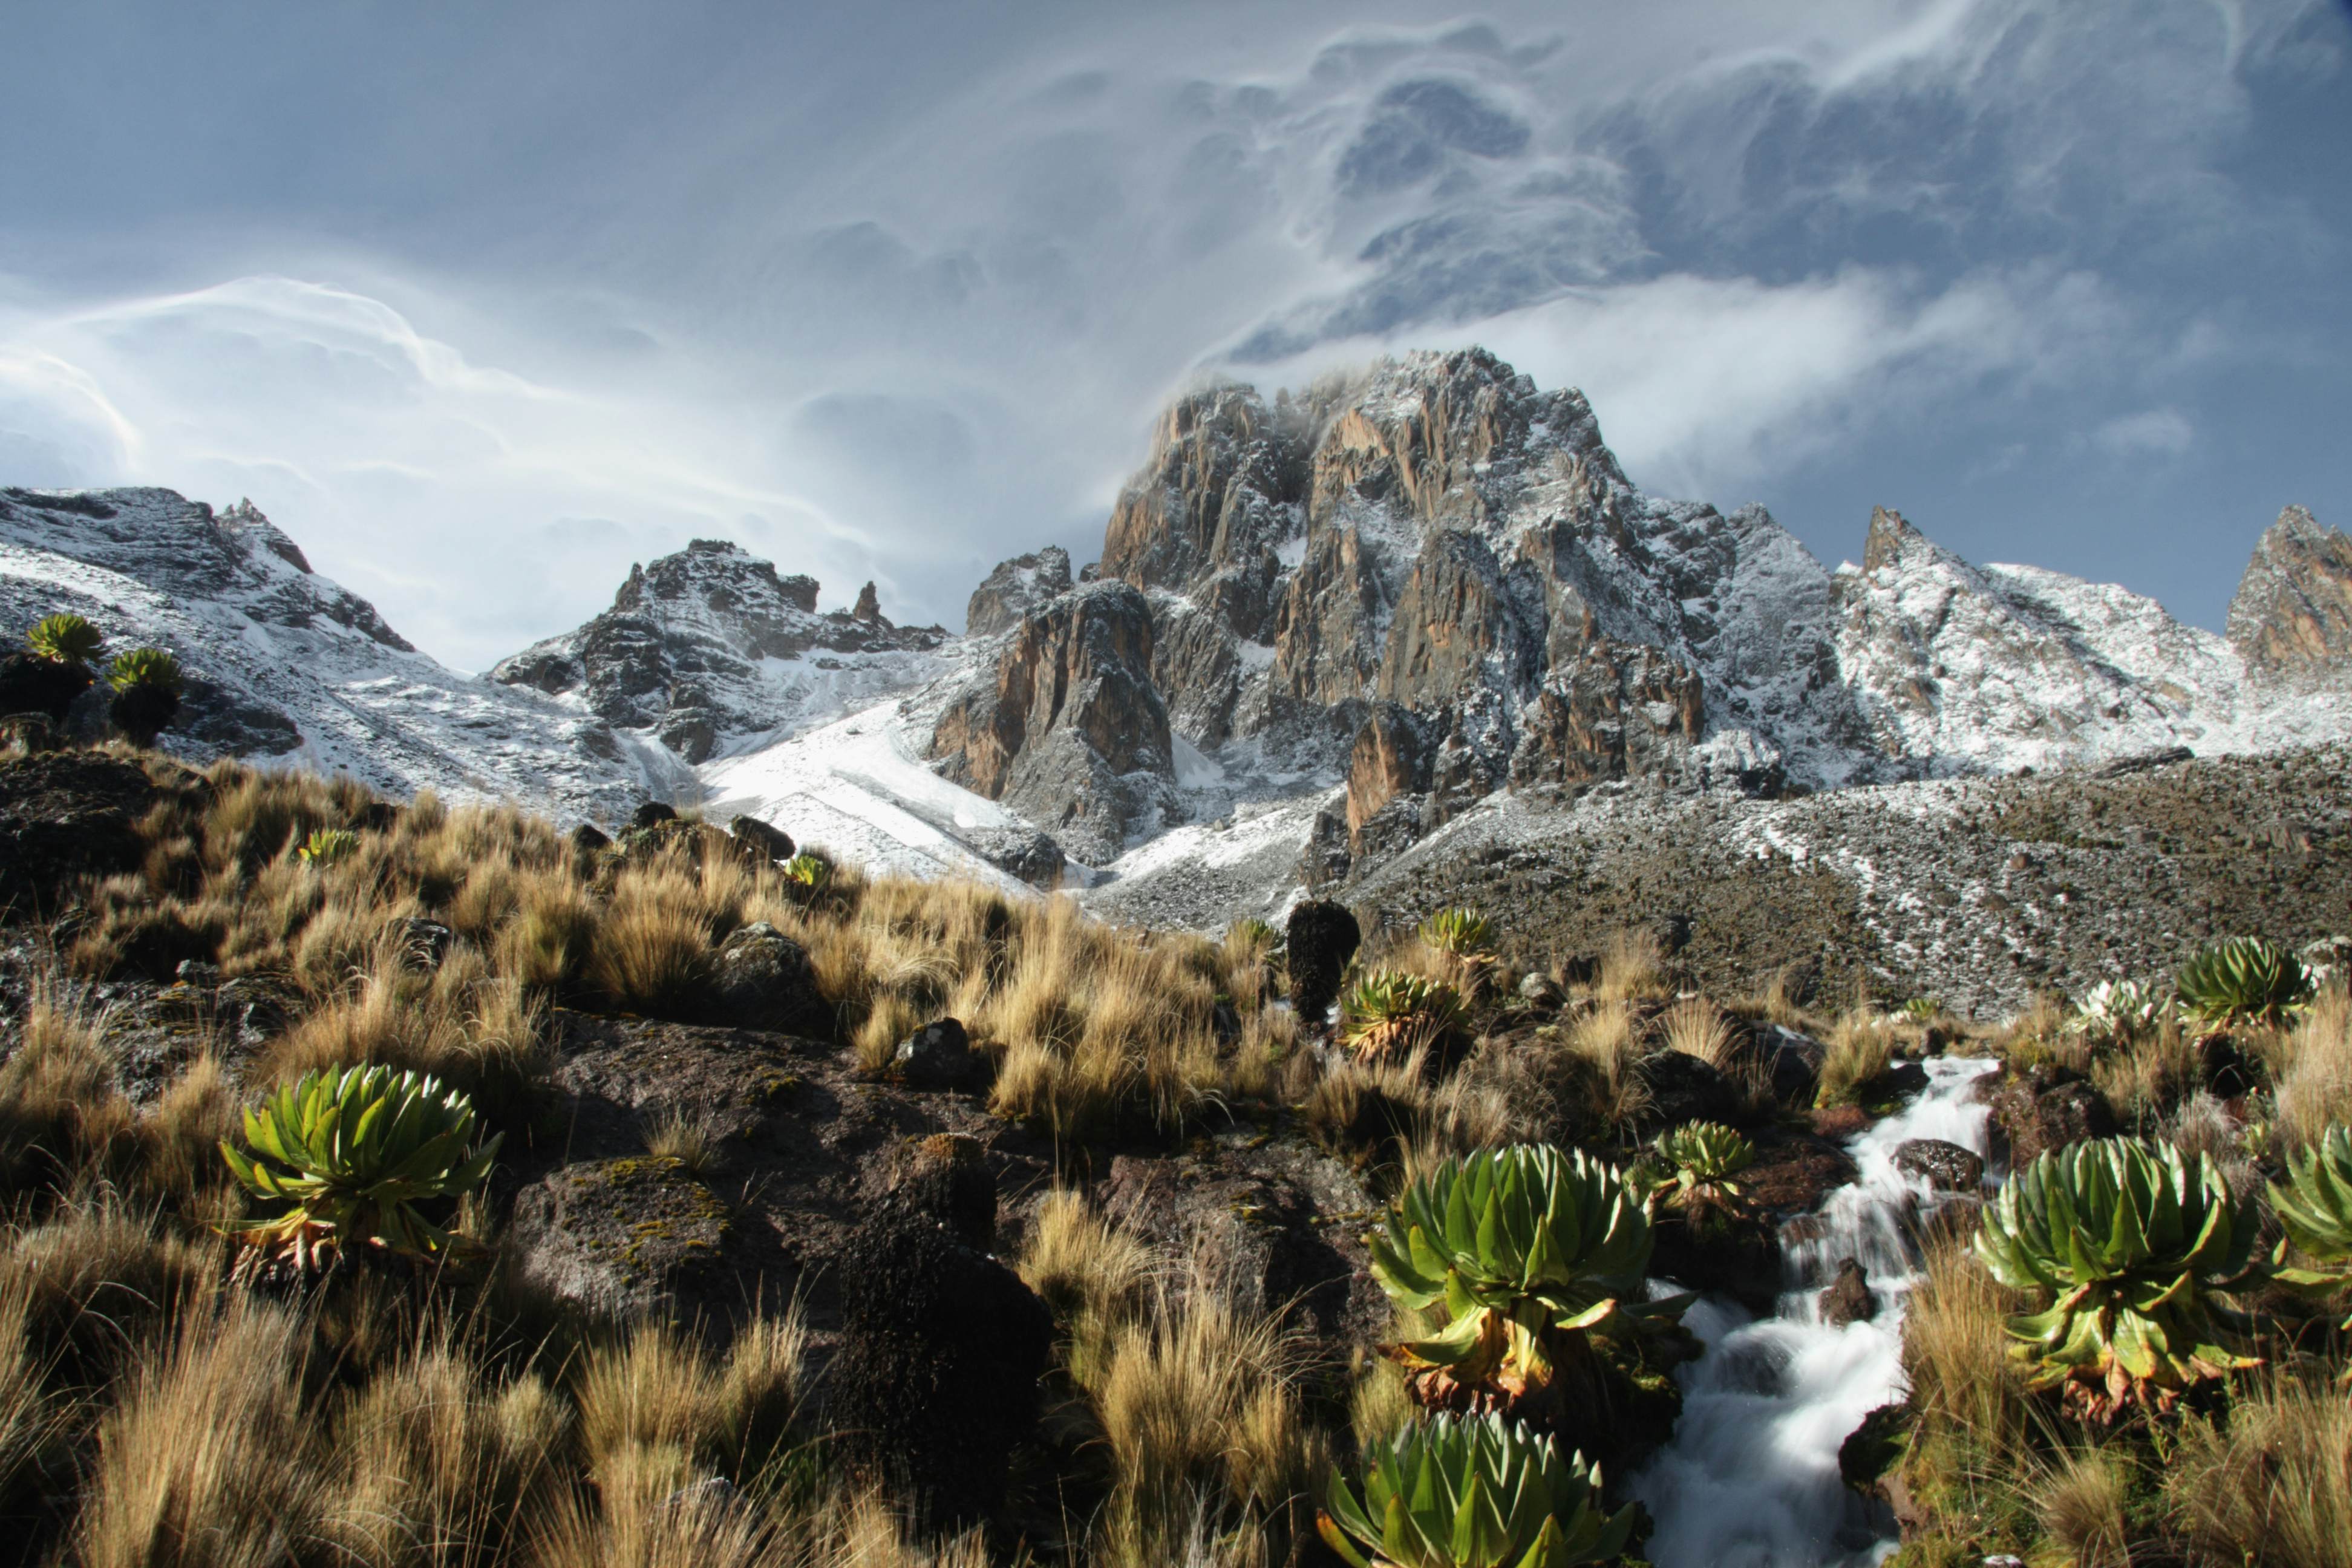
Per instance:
x=1750, y=1479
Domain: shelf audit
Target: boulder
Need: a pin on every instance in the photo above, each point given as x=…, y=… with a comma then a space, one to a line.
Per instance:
x=627, y=1236
x=587, y=838
x=1847, y=1298
x=1541, y=992
x=29, y=732
x=761, y=979
x=1021, y=852
x=2045, y=1107
x=765, y=842
x=938, y=1055
x=1947, y=1167
x=1320, y=938
x=1793, y=1062
x=1683, y=1088
x=652, y=813
x=1264, y=1234
x=941, y=1347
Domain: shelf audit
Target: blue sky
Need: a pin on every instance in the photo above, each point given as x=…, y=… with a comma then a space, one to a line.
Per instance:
x=481, y=303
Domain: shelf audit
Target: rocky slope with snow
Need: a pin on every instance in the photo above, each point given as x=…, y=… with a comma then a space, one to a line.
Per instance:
x=283, y=664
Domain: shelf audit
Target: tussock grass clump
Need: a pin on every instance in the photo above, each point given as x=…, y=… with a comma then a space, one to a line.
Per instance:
x=1204, y=1432
x=2266, y=1481
x=2310, y=1068
x=1860, y=1048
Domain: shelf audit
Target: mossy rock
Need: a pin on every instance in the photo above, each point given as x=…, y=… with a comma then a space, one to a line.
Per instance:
x=623, y=1236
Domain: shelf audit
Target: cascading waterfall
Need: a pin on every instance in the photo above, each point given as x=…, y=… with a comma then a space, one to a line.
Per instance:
x=1750, y=1479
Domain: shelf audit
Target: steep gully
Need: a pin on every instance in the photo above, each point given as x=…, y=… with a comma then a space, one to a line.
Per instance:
x=1750, y=1479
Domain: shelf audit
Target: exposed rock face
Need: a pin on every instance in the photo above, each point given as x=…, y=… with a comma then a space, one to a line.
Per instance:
x=711, y=644
x=1006, y=596
x=1068, y=729
x=2292, y=616
x=1847, y=1298
x=1450, y=566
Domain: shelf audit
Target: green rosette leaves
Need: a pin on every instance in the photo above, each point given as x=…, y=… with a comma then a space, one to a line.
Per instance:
x=353, y=1152
x=2314, y=1203
x=1471, y=1491
x=1527, y=1250
x=2127, y=1242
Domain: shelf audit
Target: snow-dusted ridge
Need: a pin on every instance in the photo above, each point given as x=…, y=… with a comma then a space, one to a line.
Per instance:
x=285, y=665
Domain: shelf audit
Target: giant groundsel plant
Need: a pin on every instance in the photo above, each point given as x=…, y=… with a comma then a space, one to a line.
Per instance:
x=2127, y=1243
x=1471, y=1491
x=1527, y=1250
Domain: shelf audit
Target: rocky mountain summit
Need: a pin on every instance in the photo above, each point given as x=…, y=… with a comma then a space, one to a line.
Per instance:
x=710, y=646
x=1436, y=579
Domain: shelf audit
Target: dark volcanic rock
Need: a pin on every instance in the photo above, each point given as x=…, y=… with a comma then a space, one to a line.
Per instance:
x=2292, y=616
x=1944, y=1166
x=1262, y=1230
x=1793, y=1062
x=1318, y=941
x=653, y=813
x=935, y=1383
x=938, y=1055
x=1847, y=1298
x=1683, y=1088
x=769, y=843
x=1022, y=852
x=65, y=816
x=2045, y=1108
x=762, y=979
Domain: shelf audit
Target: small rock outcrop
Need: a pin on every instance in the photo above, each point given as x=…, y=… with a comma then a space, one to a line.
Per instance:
x=765, y=840
x=1068, y=729
x=938, y=1055
x=1944, y=1166
x=762, y=979
x=1847, y=1298
x=1008, y=595
x=2046, y=1108
x=1319, y=940
x=2292, y=616
x=65, y=816
x=942, y=1345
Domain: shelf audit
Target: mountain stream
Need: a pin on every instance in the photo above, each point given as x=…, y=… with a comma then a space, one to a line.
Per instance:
x=1750, y=1479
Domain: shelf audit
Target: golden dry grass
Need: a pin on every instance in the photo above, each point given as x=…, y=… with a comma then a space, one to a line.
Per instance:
x=2311, y=1069
x=1203, y=1429
x=2079, y=1498
x=1956, y=1351
x=2271, y=1481
x=1857, y=1054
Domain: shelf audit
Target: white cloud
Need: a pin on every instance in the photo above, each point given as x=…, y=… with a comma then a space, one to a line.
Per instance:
x=2152, y=432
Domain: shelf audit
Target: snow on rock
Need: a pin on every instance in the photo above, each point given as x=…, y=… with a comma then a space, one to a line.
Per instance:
x=284, y=665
